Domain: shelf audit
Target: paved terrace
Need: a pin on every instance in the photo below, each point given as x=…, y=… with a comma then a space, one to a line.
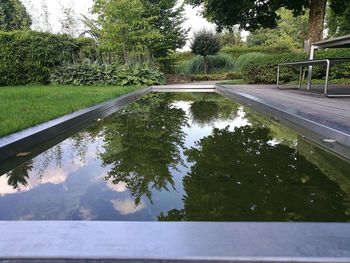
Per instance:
x=334, y=113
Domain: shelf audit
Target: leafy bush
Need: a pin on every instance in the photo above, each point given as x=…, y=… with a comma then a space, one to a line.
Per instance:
x=211, y=64
x=264, y=69
x=205, y=43
x=338, y=70
x=237, y=50
x=106, y=74
x=246, y=59
x=181, y=57
x=28, y=56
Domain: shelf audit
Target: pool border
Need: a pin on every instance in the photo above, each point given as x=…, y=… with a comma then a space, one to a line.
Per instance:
x=174, y=242
x=55, y=241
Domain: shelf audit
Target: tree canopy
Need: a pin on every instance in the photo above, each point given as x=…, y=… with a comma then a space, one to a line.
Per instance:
x=148, y=26
x=252, y=14
x=13, y=16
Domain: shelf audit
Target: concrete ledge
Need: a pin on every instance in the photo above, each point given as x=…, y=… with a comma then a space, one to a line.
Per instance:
x=30, y=138
x=314, y=131
x=185, y=88
x=179, y=242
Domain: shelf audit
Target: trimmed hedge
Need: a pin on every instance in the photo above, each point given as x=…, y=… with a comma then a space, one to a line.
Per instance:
x=28, y=56
x=235, y=51
x=264, y=69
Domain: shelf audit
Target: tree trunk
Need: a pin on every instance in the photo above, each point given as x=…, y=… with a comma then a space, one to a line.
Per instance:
x=316, y=20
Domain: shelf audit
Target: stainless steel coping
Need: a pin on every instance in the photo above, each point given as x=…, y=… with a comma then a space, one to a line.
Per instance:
x=178, y=241
x=57, y=241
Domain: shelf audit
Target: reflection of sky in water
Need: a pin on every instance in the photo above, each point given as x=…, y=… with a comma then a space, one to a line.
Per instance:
x=68, y=181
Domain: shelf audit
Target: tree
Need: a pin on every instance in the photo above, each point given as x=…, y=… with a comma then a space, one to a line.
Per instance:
x=290, y=31
x=46, y=27
x=168, y=20
x=69, y=21
x=125, y=26
x=338, y=23
x=230, y=37
x=205, y=43
x=13, y=16
x=252, y=14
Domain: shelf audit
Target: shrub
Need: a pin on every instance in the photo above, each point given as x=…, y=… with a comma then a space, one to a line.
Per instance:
x=181, y=57
x=211, y=64
x=28, y=56
x=264, y=69
x=205, y=43
x=246, y=59
x=338, y=70
x=106, y=74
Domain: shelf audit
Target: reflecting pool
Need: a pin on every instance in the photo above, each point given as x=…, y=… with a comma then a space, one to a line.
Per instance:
x=180, y=157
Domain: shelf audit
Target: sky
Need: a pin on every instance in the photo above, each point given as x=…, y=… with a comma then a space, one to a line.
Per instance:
x=194, y=21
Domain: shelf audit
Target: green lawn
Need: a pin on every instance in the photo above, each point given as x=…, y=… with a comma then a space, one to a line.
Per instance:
x=25, y=106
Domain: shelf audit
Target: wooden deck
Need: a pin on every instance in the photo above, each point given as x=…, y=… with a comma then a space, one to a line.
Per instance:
x=333, y=113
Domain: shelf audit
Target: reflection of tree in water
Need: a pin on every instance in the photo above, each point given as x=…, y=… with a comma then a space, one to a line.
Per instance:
x=240, y=176
x=18, y=177
x=207, y=109
x=142, y=144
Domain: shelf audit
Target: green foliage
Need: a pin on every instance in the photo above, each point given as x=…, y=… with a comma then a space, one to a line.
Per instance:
x=230, y=37
x=13, y=16
x=237, y=50
x=181, y=57
x=246, y=59
x=338, y=24
x=209, y=65
x=291, y=31
x=205, y=43
x=248, y=14
x=113, y=74
x=167, y=18
x=264, y=69
x=125, y=27
x=28, y=56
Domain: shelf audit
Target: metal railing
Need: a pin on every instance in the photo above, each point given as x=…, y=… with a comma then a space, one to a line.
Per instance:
x=302, y=64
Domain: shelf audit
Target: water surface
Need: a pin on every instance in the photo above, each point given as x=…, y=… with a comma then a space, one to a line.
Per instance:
x=180, y=157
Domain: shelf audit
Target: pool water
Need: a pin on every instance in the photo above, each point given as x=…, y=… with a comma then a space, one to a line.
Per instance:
x=180, y=157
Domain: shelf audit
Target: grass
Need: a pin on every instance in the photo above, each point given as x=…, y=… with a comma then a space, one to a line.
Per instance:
x=25, y=106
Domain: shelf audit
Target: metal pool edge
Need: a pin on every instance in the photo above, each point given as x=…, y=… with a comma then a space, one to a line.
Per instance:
x=62, y=127
x=174, y=242
x=314, y=131
x=57, y=241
